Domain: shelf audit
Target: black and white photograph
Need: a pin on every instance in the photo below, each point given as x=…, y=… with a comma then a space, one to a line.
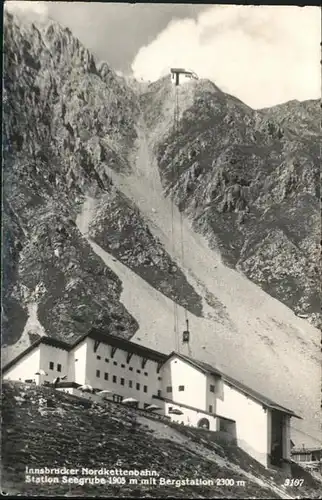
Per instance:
x=161, y=227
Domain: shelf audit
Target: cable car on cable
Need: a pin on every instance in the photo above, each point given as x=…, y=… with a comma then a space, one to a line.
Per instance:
x=186, y=333
x=186, y=74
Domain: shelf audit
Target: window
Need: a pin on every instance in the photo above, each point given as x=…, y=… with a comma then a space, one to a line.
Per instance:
x=212, y=388
x=138, y=371
x=159, y=378
x=122, y=381
x=98, y=357
x=181, y=388
x=105, y=376
x=114, y=379
x=98, y=373
x=210, y=408
x=123, y=366
x=169, y=388
x=51, y=365
x=115, y=363
x=159, y=393
x=107, y=360
x=137, y=386
x=146, y=374
x=130, y=368
x=224, y=425
x=59, y=367
x=145, y=388
x=130, y=383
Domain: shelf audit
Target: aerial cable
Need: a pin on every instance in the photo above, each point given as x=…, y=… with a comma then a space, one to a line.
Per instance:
x=175, y=306
x=186, y=334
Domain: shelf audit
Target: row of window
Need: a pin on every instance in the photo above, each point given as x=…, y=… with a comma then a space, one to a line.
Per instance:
x=122, y=381
x=181, y=388
x=52, y=366
x=124, y=366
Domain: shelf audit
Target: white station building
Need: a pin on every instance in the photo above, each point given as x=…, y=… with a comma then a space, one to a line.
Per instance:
x=182, y=75
x=188, y=391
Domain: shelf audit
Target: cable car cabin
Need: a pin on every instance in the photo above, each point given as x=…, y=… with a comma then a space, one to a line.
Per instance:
x=186, y=333
x=181, y=75
x=186, y=336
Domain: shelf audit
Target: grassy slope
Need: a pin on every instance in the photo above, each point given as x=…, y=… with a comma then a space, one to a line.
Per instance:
x=73, y=436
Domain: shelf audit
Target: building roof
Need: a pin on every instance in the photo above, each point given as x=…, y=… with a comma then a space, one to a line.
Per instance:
x=42, y=340
x=97, y=335
x=179, y=70
x=206, y=368
x=200, y=365
x=124, y=344
x=258, y=396
x=305, y=451
x=183, y=71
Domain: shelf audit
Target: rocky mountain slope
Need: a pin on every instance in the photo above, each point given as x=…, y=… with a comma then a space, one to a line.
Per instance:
x=65, y=119
x=249, y=181
x=91, y=235
x=75, y=430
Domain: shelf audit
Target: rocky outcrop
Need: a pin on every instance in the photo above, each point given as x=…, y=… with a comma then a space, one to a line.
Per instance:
x=249, y=182
x=130, y=240
x=58, y=137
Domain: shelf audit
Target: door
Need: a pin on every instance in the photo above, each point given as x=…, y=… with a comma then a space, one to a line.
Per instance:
x=277, y=451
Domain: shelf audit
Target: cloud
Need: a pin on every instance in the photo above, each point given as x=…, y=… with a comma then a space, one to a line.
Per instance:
x=114, y=32
x=30, y=10
x=262, y=55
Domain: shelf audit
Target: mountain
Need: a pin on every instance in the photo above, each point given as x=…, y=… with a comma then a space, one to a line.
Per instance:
x=91, y=236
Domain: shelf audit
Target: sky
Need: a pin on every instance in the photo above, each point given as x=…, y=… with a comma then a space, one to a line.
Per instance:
x=263, y=55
